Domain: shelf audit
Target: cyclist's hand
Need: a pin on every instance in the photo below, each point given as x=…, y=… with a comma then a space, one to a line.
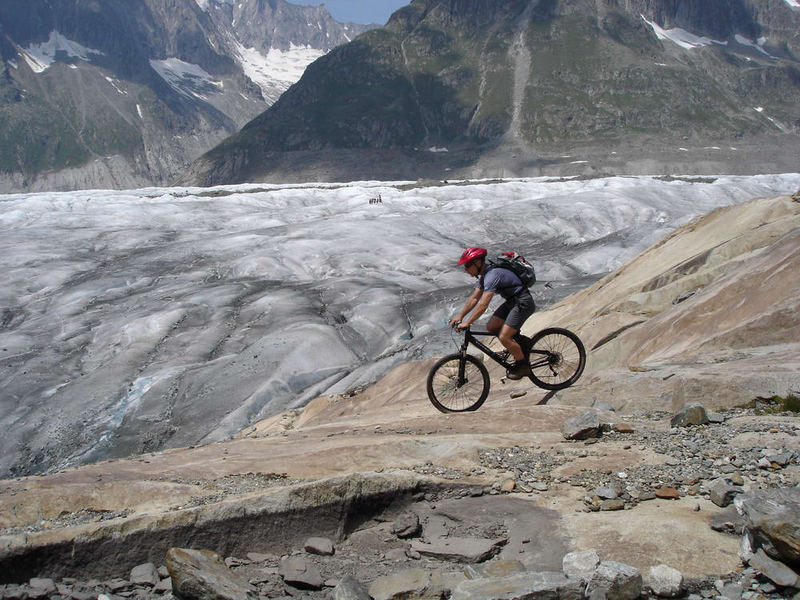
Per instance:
x=454, y=323
x=460, y=327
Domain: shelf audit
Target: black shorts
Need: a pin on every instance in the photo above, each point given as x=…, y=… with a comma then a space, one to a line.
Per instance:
x=515, y=311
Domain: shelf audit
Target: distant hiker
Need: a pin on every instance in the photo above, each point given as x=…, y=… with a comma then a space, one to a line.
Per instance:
x=507, y=320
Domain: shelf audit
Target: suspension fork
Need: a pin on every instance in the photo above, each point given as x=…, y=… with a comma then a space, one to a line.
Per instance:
x=462, y=364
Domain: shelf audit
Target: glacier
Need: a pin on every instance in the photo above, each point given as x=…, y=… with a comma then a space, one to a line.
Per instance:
x=137, y=320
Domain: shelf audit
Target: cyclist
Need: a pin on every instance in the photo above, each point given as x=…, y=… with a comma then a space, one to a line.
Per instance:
x=507, y=320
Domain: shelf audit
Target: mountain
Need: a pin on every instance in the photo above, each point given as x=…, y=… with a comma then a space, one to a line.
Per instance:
x=452, y=88
x=124, y=93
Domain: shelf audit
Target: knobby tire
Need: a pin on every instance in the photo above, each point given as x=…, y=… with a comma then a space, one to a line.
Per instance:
x=443, y=389
x=567, y=358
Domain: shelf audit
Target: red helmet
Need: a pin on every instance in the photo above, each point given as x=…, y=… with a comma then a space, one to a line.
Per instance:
x=471, y=254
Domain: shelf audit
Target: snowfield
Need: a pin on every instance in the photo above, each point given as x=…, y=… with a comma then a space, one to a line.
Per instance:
x=136, y=320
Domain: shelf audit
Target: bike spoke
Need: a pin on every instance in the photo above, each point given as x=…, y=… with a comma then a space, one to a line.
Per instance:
x=453, y=394
x=563, y=359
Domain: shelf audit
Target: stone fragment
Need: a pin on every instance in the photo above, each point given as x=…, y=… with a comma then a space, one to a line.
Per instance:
x=721, y=493
x=163, y=586
x=667, y=493
x=615, y=504
x=518, y=394
x=43, y=584
x=623, y=427
x=460, y=549
x=772, y=520
x=495, y=568
x=775, y=571
x=615, y=581
x=349, y=588
x=320, y=546
x=691, y=414
x=606, y=492
x=508, y=485
x=409, y=584
x=146, y=574
x=300, y=573
x=580, y=565
x=203, y=575
x=258, y=557
x=406, y=525
x=530, y=586
x=665, y=581
x=582, y=427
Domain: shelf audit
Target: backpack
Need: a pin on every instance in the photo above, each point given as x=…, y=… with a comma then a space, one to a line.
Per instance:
x=516, y=264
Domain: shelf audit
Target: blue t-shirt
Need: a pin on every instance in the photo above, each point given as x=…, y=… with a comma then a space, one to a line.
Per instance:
x=502, y=281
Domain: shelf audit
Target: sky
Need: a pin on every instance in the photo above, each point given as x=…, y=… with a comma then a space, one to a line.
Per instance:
x=358, y=11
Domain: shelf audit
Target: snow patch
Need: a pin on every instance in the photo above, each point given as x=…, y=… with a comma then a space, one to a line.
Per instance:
x=436, y=149
x=681, y=37
x=757, y=45
x=278, y=69
x=187, y=79
x=793, y=3
x=41, y=56
x=139, y=110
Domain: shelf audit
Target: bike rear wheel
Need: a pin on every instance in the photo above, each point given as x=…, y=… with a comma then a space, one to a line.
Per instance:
x=557, y=358
x=458, y=383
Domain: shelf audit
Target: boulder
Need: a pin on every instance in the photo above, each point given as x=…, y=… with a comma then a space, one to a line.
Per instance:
x=349, y=588
x=691, y=414
x=409, y=584
x=722, y=493
x=580, y=565
x=495, y=568
x=146, y=574
x=582, y=427
x=772, y=522
x=320, y=546
x=545, y=585
x=460, y=549
x=406, y=525
x=665, y=581
x=300, y=573
x=42, y=584
x=615, y=581
x=203, y=575
x=773, y=570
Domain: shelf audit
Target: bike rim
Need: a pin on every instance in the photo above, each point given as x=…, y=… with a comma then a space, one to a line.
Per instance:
x=563, y=359
x=448, y=392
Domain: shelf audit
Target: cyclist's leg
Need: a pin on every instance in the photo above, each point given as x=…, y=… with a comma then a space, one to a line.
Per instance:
x=499, y=317
x=510, y=336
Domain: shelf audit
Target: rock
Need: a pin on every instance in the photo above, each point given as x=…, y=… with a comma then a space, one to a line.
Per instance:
x=721, y=493
x=581, y=427
x=349, y=588
x=691, y=414
x=623, y=427
x=606, y=493
x=667, y=493
x=775, y=571
x=407, y=585
x=665, y=581
x=165, y=585
x=460, y=549
x=545, y=585
x=615, y=581
x=45, y=585
x=146, y=574
x=258, y=557
x=508, y=485
x=771, y=519
x=580, y=565
x=615, y=504
x=518, y=394
x=320, y=546
x=300, y=573
x=495, y=568
x=406, y=525
x=203, y=575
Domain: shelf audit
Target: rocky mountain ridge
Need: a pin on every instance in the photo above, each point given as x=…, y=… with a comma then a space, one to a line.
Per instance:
x=127, y=93
x=706, y=315
x=459, y=89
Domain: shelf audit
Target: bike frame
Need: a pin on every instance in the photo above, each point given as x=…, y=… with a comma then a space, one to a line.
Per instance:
x=470, y=337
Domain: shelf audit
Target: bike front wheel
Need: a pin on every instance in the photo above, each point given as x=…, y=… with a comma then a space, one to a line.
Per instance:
x=557, y=358
x=458, y=383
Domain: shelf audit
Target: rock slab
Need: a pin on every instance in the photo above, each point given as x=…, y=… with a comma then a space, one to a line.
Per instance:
x=203, y=575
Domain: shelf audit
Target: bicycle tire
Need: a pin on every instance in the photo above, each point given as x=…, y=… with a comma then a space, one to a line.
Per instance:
x=567, y=358
x=443, y=389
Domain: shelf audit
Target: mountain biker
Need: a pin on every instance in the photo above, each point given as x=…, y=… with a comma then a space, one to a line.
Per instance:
x=507, y=320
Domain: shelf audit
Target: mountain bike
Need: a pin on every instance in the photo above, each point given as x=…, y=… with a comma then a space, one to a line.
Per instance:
x=459, y=382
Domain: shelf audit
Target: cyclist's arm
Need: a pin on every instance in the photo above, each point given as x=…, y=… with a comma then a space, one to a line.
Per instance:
x=468, y=306
x=480, y=307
